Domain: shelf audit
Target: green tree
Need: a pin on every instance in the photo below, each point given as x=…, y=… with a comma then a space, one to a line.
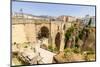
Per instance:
x=90, y=22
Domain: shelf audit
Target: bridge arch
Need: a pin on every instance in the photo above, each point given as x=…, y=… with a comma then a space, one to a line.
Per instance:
x=58, y=40
x=44, y=32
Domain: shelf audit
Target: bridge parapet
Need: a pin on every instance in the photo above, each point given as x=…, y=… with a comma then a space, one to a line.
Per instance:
x=27, y=21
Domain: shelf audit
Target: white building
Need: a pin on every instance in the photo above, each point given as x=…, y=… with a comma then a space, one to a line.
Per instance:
x=66, y=18
x=93, y=23
x=86, y=19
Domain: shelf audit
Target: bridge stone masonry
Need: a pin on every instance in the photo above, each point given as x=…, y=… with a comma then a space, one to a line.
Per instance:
x=32, y=30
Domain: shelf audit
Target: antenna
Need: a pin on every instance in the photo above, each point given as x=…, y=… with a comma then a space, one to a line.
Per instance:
x=21, y=12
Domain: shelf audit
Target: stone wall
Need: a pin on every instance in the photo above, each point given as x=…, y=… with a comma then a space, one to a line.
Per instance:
x=18, y=34
x=30, y=32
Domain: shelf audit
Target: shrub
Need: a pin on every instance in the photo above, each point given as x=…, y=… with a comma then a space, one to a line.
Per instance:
x=25, y=47
x=76, y=50
x=80, y=34
x=68, y=54
x=50, y=48
x=90, y=57
x=69, y=57
x=68, y=33
x=90, y=52
x=67, y=50
x=55, y=49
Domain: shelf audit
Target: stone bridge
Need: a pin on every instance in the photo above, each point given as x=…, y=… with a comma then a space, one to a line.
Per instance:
x=31, y=30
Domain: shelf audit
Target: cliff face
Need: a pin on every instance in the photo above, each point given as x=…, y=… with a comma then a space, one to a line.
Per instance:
x=90, y=42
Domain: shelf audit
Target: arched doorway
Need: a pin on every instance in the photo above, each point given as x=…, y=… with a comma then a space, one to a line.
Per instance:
x=43, y=33
x=58, y=40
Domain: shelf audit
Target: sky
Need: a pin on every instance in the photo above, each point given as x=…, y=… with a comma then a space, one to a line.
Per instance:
x=52, y=9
